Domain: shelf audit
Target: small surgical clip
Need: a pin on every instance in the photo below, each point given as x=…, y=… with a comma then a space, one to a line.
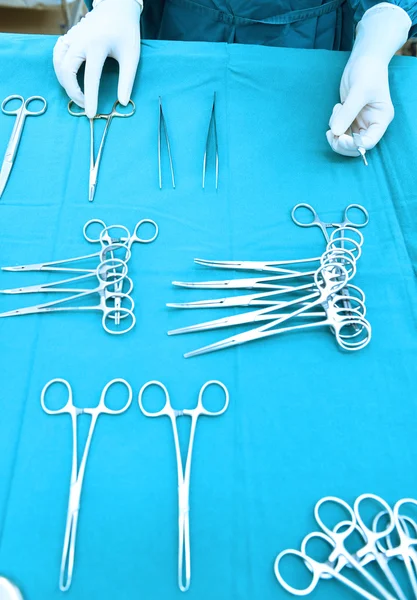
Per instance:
x=162, y=125
x=212, y=126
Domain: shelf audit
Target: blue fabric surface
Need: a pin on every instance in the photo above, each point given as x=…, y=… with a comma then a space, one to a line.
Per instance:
x=305, y=420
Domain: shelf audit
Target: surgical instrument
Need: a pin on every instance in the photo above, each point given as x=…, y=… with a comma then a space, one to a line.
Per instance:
x=125, y=238
x=184, y=553
x=102, y=290
x=77, y=473
x=106, y=270
x=162, y=125
x=21, y=113
x=324, y=226
x=95, y=161
x=212, y=127
x=320, y=301
x=114, y=285
x=371, y=550
x=58, y=266
x=357, y=138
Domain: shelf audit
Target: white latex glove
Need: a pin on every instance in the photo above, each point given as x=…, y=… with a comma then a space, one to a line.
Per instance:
x=110, y=29
x=366, y=107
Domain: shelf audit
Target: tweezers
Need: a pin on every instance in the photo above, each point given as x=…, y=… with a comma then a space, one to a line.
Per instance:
x=162, y=125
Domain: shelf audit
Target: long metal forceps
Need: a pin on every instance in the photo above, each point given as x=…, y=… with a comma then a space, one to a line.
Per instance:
x=21, y=113
x=162, y=125
x=77, y=474
x=95, y=162
x=184, y=554
x=212, y=126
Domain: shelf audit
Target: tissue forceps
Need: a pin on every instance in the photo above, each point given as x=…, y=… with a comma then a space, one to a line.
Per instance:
x=77, y=474
x=162, y=125
x=325, y=226
x=102, y=290
x=21, y=113
x=95, y=162
x=212, y=126
x=184, y=554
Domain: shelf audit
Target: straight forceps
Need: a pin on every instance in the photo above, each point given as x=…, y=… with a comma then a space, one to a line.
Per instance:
x=184, y=554
x=77, y=474
x=95, y=162
x=162, y=125
x=212, y=127
x=21, y=113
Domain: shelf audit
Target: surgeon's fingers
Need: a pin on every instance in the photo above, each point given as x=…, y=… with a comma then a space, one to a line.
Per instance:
x=342, y=144
x=94, y=63
x=59, y=53
x=73, y=60
x=128, y=59
x=372, y=135
x=343, y=118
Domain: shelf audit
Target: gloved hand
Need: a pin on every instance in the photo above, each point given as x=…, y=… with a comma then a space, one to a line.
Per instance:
x=110, y=29
x=366, y=107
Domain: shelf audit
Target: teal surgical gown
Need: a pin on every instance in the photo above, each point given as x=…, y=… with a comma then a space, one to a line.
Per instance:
x=291, y=23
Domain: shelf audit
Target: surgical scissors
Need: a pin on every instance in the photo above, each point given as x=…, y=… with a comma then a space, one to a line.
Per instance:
x=21, y=113
x=77, y=474
x=323, y=225
x=102, y=290
x=95, y=162
x=184, y=554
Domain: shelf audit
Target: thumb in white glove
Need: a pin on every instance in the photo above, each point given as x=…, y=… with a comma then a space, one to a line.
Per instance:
x=110, y=29
x=366, y=107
